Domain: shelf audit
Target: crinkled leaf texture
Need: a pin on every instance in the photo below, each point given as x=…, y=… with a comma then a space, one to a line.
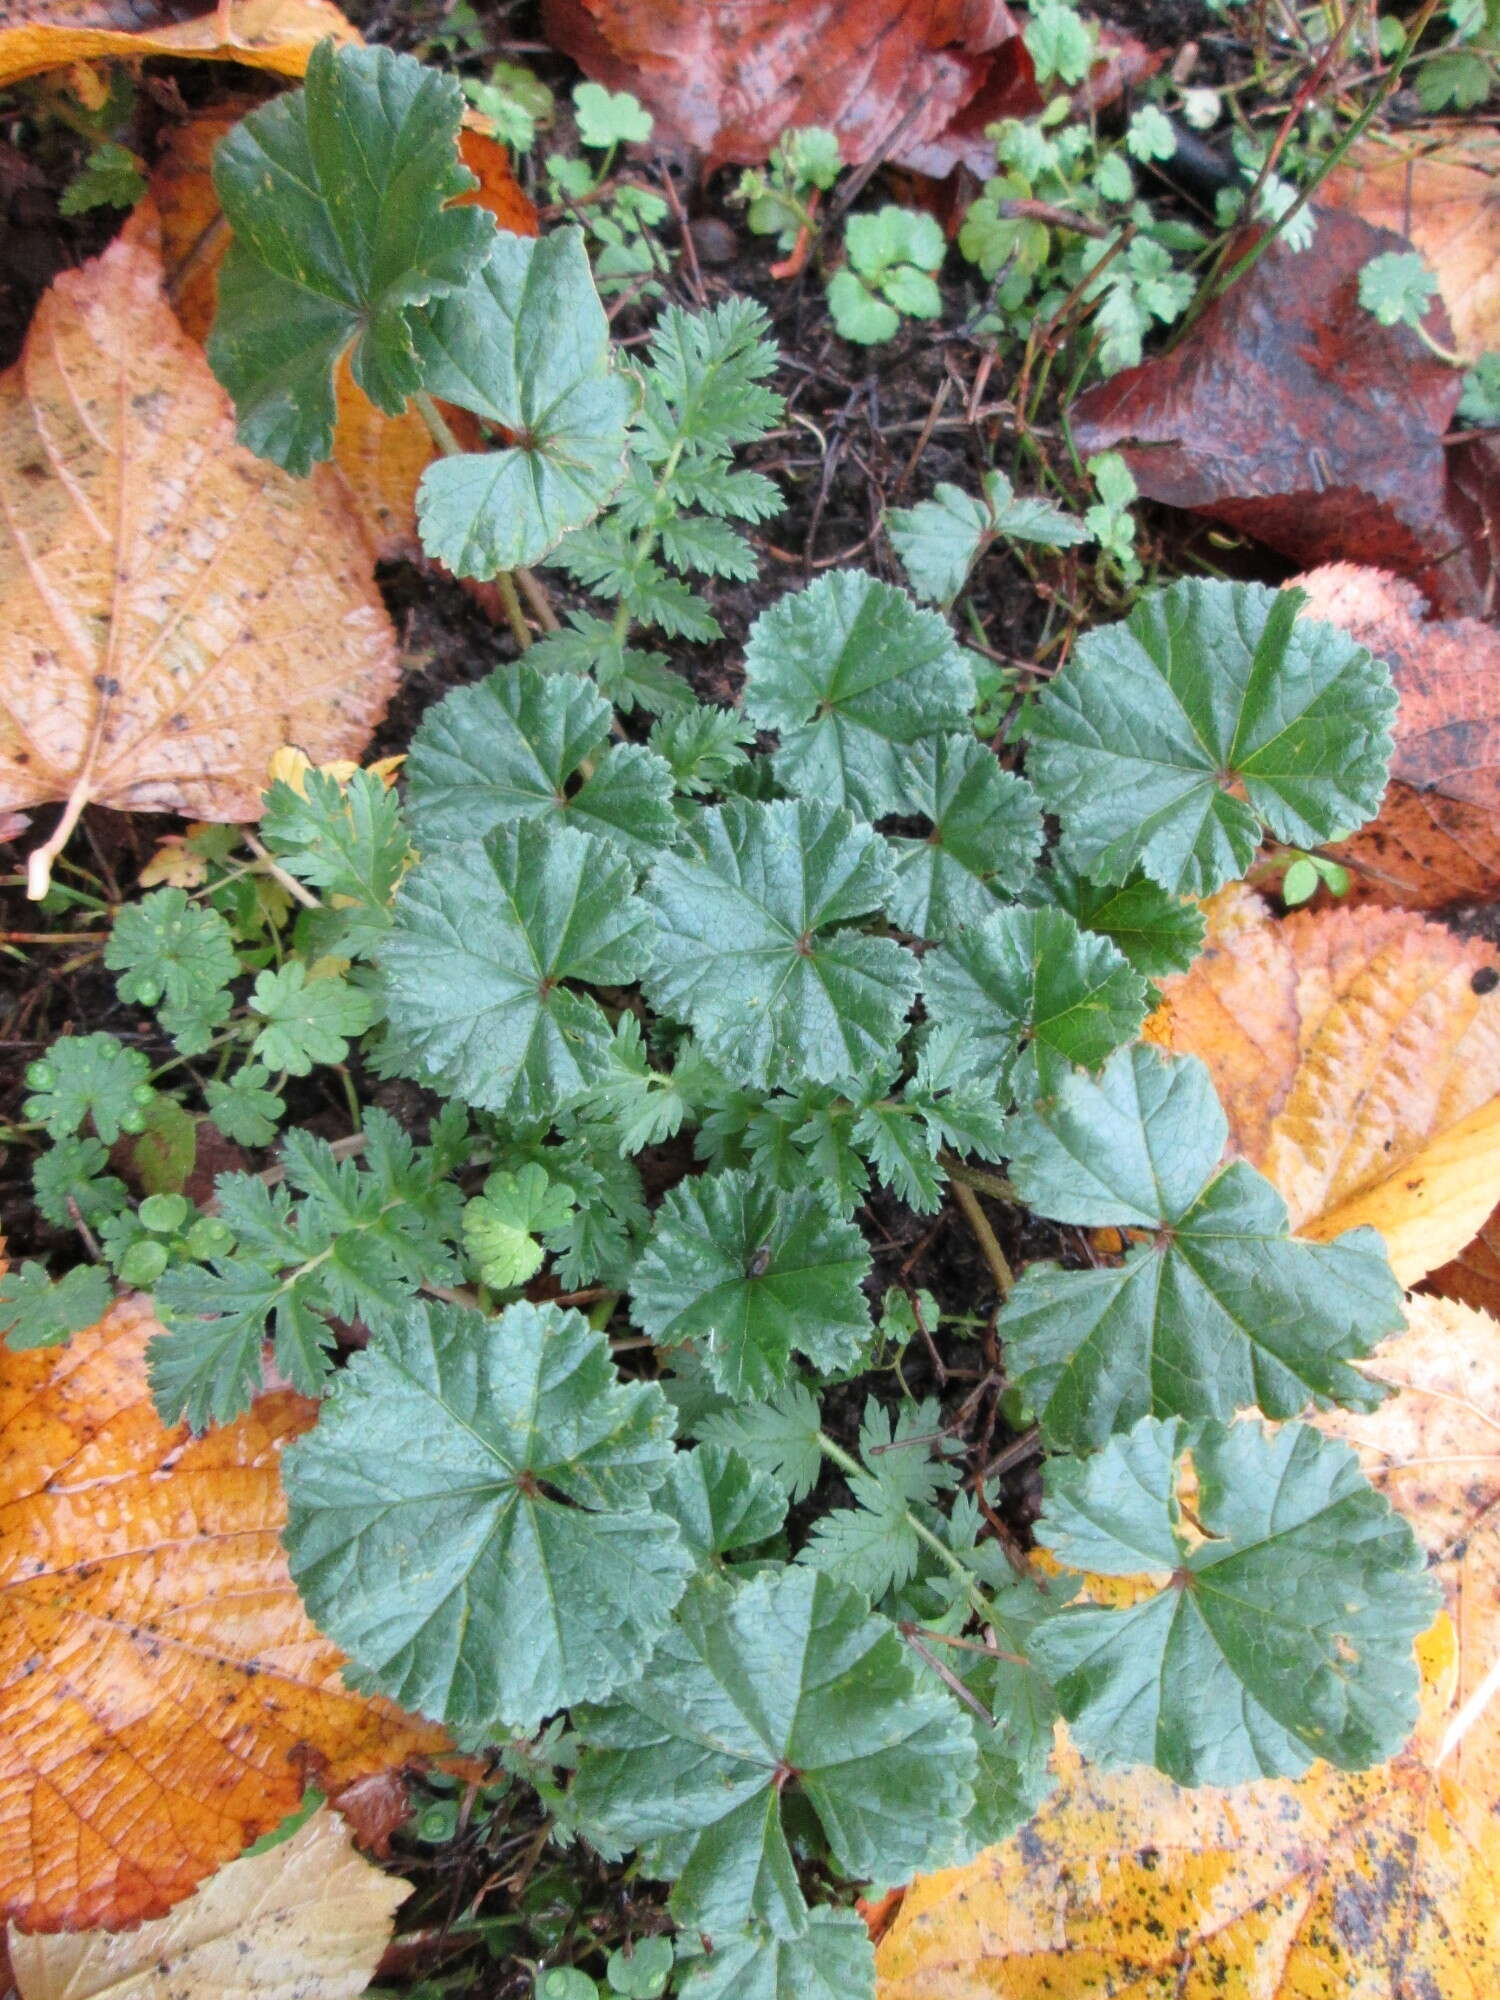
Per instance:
x=336, y=194
x=471, y=1519
x=1288, y=1597
x=1171, y=741
x=750, y=1273
x=833, y=1959
x=525, y=345
x=485, y=938
x=1026, y=995
x=986, y=835
x=851, y=672
x=784, y=1687
x=1220, y=1309
x=509, y=749
x=746, y=954
x=720, y=1501
x=1158, y=932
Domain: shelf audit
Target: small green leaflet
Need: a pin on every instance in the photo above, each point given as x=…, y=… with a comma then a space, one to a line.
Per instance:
x=307, y=1021
x=749, y=1273
x=485, y=936
x=176, y=955
x=778, y=1436
x=35, y=1312
x=783, y=1689
x=502, y=1224
x=851, y=672
x=833, y=1959
x=241, y=1106
x=1222, y=1309
x=939, y=540
x=347, y=840
x=1172, y=741
x=1159, y=933
x=1284, y=1627
x=1032, y=995
x=744, y=950
x=525, y=344
x=70, y=1174
x=873, y=1545
x=986, y=835
x=720, y=1502
x=510, y=748
x=89, y=1076
x=471, y=1521
x=337, y=197
x=1398, y=288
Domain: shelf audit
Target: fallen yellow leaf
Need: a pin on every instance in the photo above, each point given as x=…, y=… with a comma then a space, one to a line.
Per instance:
x=276, y=35
x=175, y=607
x=307, y=1920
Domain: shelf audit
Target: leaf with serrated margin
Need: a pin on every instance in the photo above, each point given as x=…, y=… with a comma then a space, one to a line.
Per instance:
x=778, y=1436
x=720, y=1502
x=750, y=1273
x=986, y=834
x=337, y=197
x=484, y=940
x=744, y=950
x=1172, y=741
x=833, y=1959
x=525, y=344
x=1288, y=1596
x=785, y=1689
x=1220, y=1310
x=471, y=1518
x=1032, y=996
x=1158, y=932
x=510, y=747
x=852, y=673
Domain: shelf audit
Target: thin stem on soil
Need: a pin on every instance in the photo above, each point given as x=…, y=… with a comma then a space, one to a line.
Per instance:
x=442, y=434
x=984, y=1236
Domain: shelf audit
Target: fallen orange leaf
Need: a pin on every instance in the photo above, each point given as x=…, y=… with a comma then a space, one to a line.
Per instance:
x=1439, y=187
x=382, y=458
x=276, y=35
x=176, y=609
x=1357, y=1054
x=163, y=1697
x=1437, y=839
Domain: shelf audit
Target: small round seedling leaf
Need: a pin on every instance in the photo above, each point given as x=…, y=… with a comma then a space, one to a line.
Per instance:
x=749, y=1274
x=1280, y=1629
x=1173, y=741
x=471, y=1518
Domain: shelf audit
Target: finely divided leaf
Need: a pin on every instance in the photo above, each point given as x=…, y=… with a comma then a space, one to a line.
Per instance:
x=471, y=1519
x=1172, y=741
x=1220, y=1309
x=525, y=344
x=786, y=1691
x=512, y=747
x=485, y=937
x=745, y=951
x=336, y=194
x=778, y=1436
x=750, y=1274
x=347, y=840
x=1288, y=1596
x=986, y=832
x=851, y=672
x=1031, y=996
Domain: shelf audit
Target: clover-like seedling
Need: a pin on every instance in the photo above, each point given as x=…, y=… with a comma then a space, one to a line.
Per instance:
x=893, y=259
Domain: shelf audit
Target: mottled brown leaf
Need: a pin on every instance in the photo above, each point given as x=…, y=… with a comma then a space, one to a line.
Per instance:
x=176, y=609
x=1289, y=413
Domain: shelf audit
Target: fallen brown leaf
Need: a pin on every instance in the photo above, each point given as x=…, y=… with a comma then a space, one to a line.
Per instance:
x=1439, y=187
x=1289, y=413
x=277, y=35
x=1357, y=1055
x=163, y=1697
x=307, y=1920
x=916, y=80
x=1437, y=839
x=175, y=608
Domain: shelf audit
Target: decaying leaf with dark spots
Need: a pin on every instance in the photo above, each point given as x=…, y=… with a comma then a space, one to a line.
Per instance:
x=1290, y=414
x=176, y=609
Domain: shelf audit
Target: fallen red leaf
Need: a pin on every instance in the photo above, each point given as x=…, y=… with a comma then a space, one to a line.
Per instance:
x=914, y=80
x=1437, y=838
x=1289, y=413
